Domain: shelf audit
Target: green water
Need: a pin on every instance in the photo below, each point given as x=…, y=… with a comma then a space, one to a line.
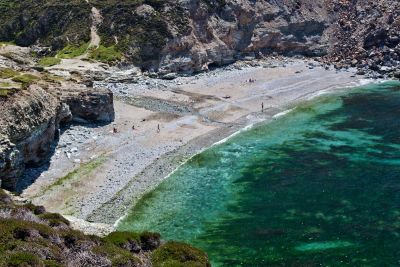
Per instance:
x=319, y=186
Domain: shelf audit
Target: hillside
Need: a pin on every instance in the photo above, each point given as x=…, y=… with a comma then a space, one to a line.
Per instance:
x=193, y=35
x=30, y=236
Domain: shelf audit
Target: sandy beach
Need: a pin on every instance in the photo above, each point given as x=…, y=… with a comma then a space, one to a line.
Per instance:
x=98, y=172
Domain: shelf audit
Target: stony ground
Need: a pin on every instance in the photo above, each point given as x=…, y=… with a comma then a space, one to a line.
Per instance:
x=102, y=168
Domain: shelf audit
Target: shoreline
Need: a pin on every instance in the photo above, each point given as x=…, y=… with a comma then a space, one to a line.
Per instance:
x=97, y=175
x=127, y=199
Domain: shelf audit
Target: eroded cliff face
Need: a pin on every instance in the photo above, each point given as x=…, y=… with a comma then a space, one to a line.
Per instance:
x=224, y=31
x=29, y=120
x=31, y=113
x=192, y=35
x=366, y=34
x=177, y=36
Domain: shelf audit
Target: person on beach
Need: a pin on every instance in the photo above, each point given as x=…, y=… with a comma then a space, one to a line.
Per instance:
x=133, y=127
x=262, y=107
x=158, y=128
x=115, y=130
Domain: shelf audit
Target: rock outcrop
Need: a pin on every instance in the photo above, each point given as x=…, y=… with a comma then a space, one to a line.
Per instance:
x=31, y=113
x=29, y=122
x=366, y=35
x=224, y=31
x=187, y=36
x=89, y=105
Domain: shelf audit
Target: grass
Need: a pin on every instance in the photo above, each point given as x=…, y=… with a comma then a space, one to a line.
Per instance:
x=52, y=78
x=23, y=259
x=6, y=88
x=8, y=73
x=5, y=85
x=54, y=219
x=82, y=171
x=175, y=254
x=25, y=79
x=105, y=54
x=146, y=240
x=49, y=61
x=119, y=257
x=4, y=92
x=6, y=43
x=71, y=51
x=121, y=238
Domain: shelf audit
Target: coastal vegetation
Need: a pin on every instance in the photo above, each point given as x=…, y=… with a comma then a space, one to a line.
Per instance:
x=25, y=79
x=30, y=236
x=73, y=50
x=175, y=254
x=7, y=73
x=105, y=54
x=49, y=61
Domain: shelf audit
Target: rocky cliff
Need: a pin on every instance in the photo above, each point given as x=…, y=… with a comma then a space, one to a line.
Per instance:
x=193, y=35
x=32, y=106
x=366, y=35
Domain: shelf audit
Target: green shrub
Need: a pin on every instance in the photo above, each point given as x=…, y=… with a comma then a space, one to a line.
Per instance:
x=119, y=257
x=51, y=263
x=105, y=54
x=8, y=73
x=71, y=51
x=23, y=259
x=54, y=219
x=174, y=254
x=9, y=226
x=25, y=79
x=6, y=43
x=121, y=238
x=49, y=61
x=4, y=92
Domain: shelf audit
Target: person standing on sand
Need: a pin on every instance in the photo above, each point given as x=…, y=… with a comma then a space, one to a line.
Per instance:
x=133, y=127
x=158, y=128
x=262, y=107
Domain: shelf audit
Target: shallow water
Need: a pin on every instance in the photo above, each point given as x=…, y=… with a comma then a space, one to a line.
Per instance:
x=319, y=186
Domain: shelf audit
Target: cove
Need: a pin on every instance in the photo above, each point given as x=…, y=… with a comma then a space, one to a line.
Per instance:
x=319, y=186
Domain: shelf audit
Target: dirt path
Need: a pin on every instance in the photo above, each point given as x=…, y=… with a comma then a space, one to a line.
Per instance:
x=97, y=19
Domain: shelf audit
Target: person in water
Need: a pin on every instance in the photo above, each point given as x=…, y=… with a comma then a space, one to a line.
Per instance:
x=262, y=107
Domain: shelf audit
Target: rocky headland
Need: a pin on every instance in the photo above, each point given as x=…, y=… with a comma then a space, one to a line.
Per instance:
x=33, y=105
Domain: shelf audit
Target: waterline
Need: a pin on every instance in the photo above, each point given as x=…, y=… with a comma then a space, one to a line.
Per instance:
x=321, y=178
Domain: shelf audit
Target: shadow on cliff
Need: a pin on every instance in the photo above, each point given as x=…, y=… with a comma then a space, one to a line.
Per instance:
x=34, y=171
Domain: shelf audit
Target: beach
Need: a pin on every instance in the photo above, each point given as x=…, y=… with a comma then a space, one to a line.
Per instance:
x=98, y=172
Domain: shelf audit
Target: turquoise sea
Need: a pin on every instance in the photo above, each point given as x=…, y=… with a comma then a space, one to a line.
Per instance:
x=319, y=186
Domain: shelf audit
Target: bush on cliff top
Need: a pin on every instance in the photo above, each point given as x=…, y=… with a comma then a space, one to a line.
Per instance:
x=105, y=54
x=29, y=236
x=174, y=254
